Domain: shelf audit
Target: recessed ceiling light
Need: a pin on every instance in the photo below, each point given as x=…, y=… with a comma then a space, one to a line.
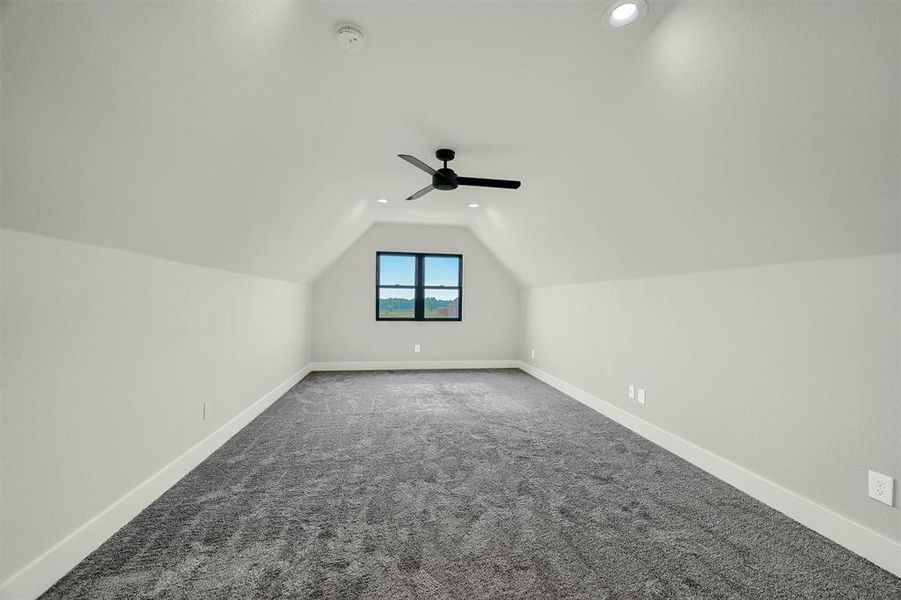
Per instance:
x=472, y=205
x=622, y=13
x=382, y=201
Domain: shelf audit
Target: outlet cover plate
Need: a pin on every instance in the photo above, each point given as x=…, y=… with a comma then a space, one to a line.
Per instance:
x=641, y=397
x=631, y=391
x=881, y=488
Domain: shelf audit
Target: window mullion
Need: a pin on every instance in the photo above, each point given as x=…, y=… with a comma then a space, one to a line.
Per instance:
x=419, y=304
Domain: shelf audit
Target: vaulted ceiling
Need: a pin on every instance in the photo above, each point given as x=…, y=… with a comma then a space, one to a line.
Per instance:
x=240, y=136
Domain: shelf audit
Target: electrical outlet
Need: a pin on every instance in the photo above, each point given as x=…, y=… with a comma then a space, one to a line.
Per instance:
x=417, y=348
x=533, y=352
x=881, y=488
x=631, y=391
x=641, y=396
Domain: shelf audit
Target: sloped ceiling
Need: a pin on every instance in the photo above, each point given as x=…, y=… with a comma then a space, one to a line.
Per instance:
x=240, y=136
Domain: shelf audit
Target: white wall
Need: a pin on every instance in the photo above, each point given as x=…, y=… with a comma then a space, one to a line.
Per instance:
x=107, y=358
x=791, y=371
x=345, y=329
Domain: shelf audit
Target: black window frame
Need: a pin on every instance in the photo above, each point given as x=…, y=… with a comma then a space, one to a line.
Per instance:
x=419, y=288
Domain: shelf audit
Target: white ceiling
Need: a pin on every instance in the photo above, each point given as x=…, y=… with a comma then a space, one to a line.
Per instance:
x=240, y=136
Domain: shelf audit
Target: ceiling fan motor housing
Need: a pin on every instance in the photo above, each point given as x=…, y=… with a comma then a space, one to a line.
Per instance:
x=444, y=179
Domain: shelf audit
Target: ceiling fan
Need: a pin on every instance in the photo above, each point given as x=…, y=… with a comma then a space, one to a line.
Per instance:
x=445, y=179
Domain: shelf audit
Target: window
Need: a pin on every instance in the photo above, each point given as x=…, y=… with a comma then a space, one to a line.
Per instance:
x=418, y=287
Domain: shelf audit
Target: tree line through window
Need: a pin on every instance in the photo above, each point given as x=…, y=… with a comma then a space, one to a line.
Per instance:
x=415, y=286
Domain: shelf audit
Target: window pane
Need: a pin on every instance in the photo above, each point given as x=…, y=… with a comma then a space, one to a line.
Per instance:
x=442, y=304
x=397, y=270
x=442, y=270
x=396, y=303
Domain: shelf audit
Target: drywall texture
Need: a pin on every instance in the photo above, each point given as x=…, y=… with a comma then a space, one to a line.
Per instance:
x=107, y=359
x=345, y=329
x=790, y=371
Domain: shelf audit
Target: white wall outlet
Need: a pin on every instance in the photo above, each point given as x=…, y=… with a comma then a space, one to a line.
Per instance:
x=631, y=391
x=882, y=488
x=641, y=396
x=417, y=348
x=533, y=352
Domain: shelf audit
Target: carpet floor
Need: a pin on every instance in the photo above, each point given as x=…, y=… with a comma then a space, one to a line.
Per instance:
x=457, y=484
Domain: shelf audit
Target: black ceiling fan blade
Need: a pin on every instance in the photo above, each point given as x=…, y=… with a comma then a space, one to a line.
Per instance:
x=417, y=163
x=493, y=183
x=422, y=192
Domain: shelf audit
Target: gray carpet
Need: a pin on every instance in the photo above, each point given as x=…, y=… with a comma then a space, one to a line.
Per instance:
x=457, y=484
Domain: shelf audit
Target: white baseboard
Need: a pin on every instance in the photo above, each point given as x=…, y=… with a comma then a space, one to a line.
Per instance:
x=404, y=365
x=41, y=573
x=861, y=540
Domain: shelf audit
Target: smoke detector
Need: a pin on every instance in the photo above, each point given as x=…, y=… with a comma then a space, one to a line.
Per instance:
x=350, y=37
